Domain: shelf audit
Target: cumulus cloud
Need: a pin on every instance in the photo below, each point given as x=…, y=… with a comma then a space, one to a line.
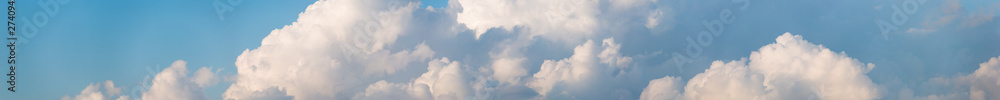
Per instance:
x=594, y=69
x=444, y=80
x=334, y=49
x=344, y=49
x=373, y=49
x=509, y=70
x=789, y=69
x=109, y=86
x=567, y=23
x=666, y=88
x=985, y=82
x=173, y=83
x=170, y=84
x=93, y=92
x=589, y=71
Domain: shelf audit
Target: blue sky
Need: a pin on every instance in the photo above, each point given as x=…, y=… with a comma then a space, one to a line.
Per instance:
x=91, y=41
x=130, y=42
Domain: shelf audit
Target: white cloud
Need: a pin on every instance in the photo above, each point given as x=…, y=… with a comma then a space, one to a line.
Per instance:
x=360, y=49
x=444, y=80
x=204, y=77
x=653, y=20
x=334, y=50
x=91, y=92
x=325, y=54
x=173, y=83
x=567, y=23
x=985, y=82
x=170, y=84
x=315, y=57
x=666, y=88
x=509, y=70
x=731, y=80
x=565, y=17
x=571, y=21
x=109, y=86
x=382, y=90
x=593, y=69
x=790, y=69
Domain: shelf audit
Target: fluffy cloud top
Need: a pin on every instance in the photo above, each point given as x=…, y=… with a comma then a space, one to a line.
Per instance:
x=985, y=82
x=337, y=48
x=93, y=92
x=172, y=83
x=334, y=49
x=666, y=88
x=590, y=67
x=790, y=69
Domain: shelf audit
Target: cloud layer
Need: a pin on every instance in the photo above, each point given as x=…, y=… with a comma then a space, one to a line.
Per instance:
x=515, y=50
x=347, y=49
